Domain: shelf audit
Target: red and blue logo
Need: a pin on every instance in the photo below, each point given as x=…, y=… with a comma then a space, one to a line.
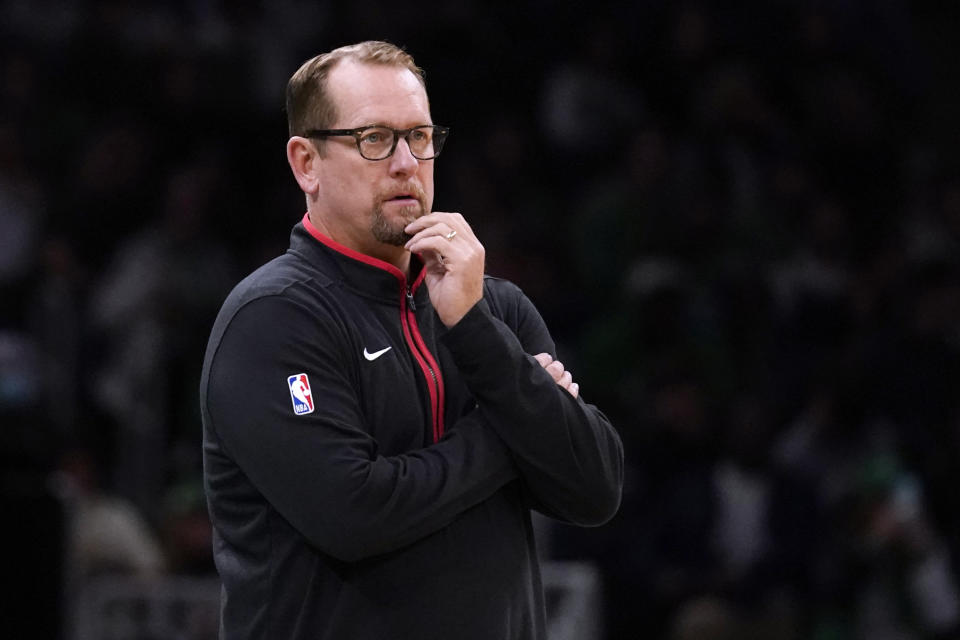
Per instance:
x=300, y=393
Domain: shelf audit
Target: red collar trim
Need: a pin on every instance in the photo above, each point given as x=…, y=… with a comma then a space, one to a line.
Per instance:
x=361, y=257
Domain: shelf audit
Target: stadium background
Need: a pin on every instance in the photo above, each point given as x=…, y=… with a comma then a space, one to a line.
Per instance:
x=741, y=222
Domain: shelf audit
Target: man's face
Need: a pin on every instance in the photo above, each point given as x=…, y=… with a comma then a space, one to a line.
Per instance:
x=367, y=202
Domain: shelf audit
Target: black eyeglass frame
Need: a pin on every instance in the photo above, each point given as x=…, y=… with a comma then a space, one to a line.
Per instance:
x=439, y=137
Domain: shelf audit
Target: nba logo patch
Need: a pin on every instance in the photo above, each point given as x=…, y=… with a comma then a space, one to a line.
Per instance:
x=300, y=393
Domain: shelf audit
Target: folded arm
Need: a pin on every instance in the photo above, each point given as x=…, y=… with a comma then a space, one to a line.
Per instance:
x=569, y=455
x=322, y=471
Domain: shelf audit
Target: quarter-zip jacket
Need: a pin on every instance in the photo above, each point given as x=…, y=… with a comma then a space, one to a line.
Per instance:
x=369, y=472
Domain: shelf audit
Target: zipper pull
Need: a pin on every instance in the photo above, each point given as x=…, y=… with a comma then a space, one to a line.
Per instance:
x=410, y=303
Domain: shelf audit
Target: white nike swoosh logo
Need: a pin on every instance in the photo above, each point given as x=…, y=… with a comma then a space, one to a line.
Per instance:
x=376, y=354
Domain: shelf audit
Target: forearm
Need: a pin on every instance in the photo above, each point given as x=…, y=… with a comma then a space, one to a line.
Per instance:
x=352, y=503
x=568, y=453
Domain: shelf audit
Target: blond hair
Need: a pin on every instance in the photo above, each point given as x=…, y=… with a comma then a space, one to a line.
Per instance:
x=309, y=105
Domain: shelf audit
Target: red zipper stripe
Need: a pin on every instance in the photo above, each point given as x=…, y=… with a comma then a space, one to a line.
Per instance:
x=432, y=363
x=411, y=331
x=437, y=377
x=406, y=316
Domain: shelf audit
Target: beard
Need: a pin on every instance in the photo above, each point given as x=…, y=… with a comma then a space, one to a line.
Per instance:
x=390, y=230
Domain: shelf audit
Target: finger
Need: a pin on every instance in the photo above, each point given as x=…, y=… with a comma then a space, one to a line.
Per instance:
x=454, y=221
x=424, y=221
x=555, y=369
x=432, y=247
x=574, y=390
x=565, y=380
x=441, y=230
x=544, y=359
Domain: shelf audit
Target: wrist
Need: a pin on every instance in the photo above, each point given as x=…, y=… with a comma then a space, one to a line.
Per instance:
x=451, y=318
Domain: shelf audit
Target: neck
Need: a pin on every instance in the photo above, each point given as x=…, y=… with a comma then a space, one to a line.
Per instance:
x=397, y=256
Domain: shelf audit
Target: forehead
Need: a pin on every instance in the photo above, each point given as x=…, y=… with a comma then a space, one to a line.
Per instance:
x=369, y=93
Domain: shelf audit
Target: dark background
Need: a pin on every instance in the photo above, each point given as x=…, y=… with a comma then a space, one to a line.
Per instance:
x=740, y=220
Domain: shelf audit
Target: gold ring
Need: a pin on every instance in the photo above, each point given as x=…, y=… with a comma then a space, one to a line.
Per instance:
x=450, y=235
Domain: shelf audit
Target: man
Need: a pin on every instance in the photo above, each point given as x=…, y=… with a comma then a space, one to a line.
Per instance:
x=375, y=432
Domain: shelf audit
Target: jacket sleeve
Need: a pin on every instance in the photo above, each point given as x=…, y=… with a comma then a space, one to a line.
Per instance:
x=569, y=455
x=322, y=471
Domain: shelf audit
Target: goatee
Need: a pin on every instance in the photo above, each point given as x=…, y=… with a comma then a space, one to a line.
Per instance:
x=390, y=231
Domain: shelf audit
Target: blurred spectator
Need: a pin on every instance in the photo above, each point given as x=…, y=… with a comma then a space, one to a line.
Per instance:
x=705, y=619
x=152, y=305
x=106, y=534
x=587, y=109
x=22, y=216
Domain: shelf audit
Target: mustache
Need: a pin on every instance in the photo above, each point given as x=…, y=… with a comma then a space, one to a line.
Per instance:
x=411, y=188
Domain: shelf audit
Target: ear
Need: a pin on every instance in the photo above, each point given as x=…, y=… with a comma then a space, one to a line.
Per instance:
x=304, y=162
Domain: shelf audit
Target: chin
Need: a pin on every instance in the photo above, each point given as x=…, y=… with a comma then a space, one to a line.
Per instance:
x=390, y=230
x=396, y=239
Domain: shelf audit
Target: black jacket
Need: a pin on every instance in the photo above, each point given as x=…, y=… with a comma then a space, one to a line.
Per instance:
x=387, y=493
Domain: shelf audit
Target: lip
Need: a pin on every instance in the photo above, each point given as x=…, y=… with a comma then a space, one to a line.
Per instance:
x=403, y=199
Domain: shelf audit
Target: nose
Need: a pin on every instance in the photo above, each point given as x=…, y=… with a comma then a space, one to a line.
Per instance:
x=402, y=162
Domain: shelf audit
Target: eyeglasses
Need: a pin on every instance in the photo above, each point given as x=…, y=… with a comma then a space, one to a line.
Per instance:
x=379, y=143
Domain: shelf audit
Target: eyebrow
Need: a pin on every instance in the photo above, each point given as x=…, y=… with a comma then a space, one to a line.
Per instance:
x=387, y=126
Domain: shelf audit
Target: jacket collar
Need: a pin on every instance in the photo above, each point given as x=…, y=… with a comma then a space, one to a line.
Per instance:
x=365, y=274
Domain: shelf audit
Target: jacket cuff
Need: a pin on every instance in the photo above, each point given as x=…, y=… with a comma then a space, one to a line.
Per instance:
x=478, y=339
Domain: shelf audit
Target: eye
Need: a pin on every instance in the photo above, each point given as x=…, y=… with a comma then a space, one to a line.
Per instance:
x=373, y=137
x=419, y=135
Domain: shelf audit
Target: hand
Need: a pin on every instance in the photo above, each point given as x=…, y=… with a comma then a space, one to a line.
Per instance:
x=453, y=259
x=560, y=375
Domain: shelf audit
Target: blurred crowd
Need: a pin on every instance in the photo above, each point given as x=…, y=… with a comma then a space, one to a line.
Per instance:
x=742, y=224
